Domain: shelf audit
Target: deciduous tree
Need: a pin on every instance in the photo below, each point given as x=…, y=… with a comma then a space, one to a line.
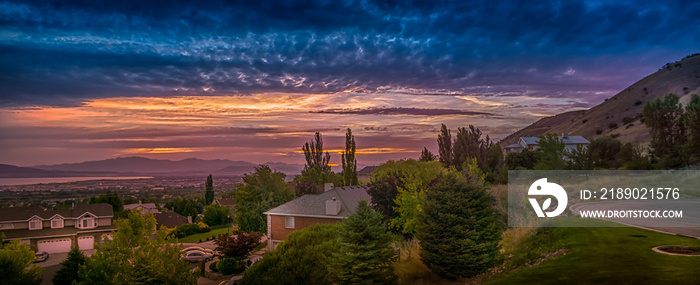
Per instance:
x=237, y=245
x=668, y=134
x=216, y=214
x=445, y=146
x=16, y=264
x=348, y=160
x=263, y=190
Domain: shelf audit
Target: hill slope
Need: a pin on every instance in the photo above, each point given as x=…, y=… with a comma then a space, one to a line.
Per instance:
x=619, y=116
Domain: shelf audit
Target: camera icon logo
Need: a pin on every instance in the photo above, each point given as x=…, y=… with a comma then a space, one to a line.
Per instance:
x=542, y=187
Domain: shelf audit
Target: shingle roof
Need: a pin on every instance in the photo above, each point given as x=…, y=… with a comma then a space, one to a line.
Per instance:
x=367, y=170
x=25, y=213
x=514, y=146
x=144, y=205
x=169, y=219
x=315, y=205
x=227, y=201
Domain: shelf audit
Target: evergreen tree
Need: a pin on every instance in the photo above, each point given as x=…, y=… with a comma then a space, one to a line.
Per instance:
x=349, y=161
x=445, y=146
x=209, y=190
x=426, y=155
x=69, y=268
x=459, y=229
x=365, y=255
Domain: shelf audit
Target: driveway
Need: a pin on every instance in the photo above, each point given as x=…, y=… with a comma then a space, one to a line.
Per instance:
x=53, y=264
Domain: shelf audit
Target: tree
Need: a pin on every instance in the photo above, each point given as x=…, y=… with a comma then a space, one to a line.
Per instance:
x=137, y=254
x=445, y=146
x=302, y=258
x=348, y=160
x=69, y=268
x=468, y=144
x=578, y=159
x=551, y=152
x=111, y=198
x=426, y=155
x=183, y=206
x=668, y=135
x=263, y=190
x=237, y=245
x=384, y=187
x=604, y=153
x=365, y=254
x=525, y=159
x=16, y=264
x=692, y=126
x=216, y=214
x=209, y=190
x=459, y=229
x=315, y=158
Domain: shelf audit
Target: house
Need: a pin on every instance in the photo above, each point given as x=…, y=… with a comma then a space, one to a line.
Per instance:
x=331, y=206
x=57, y=230
x=228, y=202
x=147, y=207
x=366, y=173
x=531, y=143
x=170, y=220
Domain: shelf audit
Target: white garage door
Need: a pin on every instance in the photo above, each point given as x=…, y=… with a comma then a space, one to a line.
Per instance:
x=54, y=245
x=86, y=242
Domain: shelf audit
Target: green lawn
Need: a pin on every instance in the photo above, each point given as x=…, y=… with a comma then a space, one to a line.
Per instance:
x=611, y=255
x=215, y=230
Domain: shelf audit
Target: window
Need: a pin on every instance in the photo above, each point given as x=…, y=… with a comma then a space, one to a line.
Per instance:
x=35, y=225
x=532, y=147
x=87, y=223
x=56, y=223
x=289, y=222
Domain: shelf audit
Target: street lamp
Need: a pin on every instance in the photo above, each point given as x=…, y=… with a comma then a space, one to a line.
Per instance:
x=228, y=219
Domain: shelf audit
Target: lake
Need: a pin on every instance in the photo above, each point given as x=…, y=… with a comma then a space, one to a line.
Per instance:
x=46, y=180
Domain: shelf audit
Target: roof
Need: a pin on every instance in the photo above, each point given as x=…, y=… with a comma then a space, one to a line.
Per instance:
x=514, y=146
x=227, y=201
x=367, y=170
x=139, y=205
x=315, y=205
x=49, y=232
x=566, y=140
x=25, y=213
x=169, y=219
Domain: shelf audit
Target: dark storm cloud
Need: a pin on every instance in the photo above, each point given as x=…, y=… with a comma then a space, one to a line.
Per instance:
x=65, y=52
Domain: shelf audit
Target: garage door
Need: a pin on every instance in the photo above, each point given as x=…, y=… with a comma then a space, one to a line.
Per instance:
x=86, y=242
x=54, y=245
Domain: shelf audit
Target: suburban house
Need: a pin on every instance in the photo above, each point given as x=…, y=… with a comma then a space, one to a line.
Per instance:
x=531, y=143
x=57, y=230
x=228, y=202
x=331, y=206
x=366, y=173
x=170, y=220
x=147, y=207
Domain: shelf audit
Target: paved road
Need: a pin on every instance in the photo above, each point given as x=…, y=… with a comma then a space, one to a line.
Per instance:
x=689, y=225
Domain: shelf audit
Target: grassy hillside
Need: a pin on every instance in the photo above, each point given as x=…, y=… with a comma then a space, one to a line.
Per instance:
x=608, y=255
x=619, y=116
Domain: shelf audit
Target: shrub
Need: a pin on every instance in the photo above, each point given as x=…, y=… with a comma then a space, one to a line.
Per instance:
x=213, y=266
x=612, y=126
x=597, y=132
x=627, y=120
x=229, y=265
x=614, y=136
x=639, y=102
x=203, y=228
x=584, y=121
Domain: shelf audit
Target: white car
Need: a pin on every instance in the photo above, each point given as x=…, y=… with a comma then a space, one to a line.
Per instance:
x=197, y=256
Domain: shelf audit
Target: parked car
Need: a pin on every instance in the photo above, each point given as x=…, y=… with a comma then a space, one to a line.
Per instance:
x=41, y=256
x=197, y=256
x=191, y=248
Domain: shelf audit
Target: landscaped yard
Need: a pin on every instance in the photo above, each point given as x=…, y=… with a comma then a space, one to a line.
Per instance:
x=215, y=231
x=611, y=255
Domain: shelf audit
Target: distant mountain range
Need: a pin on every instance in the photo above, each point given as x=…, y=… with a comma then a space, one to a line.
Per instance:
x=620, y=115
x=140, y=166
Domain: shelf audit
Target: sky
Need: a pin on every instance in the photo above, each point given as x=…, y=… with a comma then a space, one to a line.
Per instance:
x=253, y=80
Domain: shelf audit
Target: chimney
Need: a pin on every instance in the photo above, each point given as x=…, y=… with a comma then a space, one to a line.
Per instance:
x=564, y=135
x=327, y=186
x=189, y=219
x=332, y=206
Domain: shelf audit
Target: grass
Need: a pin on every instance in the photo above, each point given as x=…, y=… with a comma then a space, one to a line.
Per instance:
x=215, y=230
x=610, y=255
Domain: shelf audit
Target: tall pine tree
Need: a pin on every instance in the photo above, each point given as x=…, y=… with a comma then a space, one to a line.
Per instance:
x=209, y=190
x=365, y=254
x=459, y=230
x=69, y=268
x=349, y=161
x=426, y=155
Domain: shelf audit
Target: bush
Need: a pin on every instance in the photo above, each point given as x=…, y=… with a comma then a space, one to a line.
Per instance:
x=597, y=132
x=612, y=126
x=190, y=229
x=639, y=102
x=229, y=266
x=584, y=121
x=213, y=266
x=627, y=120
